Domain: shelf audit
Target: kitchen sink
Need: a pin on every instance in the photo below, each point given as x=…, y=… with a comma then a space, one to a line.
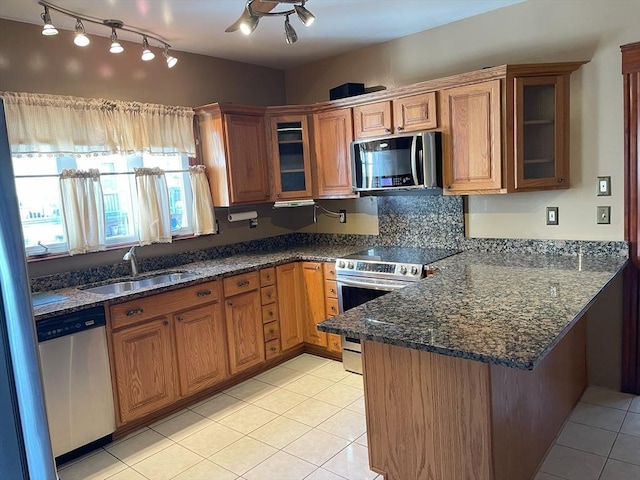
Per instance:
x=123, y=286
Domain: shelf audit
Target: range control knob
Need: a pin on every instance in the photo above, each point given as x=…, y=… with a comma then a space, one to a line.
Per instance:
x=350, y=265
x=414, y=270
x=340, y=264
x=403, y=270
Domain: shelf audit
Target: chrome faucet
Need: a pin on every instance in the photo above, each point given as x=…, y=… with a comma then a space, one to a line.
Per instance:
x=133, y=258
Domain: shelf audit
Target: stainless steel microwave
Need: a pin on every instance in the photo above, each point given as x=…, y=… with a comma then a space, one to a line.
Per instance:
x=399, y=162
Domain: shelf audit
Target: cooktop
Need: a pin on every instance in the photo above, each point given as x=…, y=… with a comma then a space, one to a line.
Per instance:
x=410, y=255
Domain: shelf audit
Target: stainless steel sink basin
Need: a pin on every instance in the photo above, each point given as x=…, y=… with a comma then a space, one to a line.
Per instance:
x=129, y=285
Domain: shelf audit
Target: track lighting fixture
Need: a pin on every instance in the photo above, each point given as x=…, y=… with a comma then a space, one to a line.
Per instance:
x=81, y=39
x=48, y=28
x=253, y=12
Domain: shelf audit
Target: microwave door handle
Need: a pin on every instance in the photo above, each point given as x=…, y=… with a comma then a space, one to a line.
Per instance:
x=414, y=159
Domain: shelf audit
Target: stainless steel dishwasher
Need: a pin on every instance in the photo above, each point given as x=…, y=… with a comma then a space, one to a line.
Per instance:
x=77, y=381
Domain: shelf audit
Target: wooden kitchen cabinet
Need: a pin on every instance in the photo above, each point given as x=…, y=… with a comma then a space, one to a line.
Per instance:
x=313, y=279
x=404, y=114
x=143, y=368
x=290, y=156
x=243, y=318
x=290, y=306
x=233, y=147
x=333, y=134
x=201, y=348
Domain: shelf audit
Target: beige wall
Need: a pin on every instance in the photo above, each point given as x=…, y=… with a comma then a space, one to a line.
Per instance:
x=532, y=31
x=31, y=62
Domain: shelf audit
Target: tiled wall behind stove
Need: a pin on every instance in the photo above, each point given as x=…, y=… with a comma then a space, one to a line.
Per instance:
x=427, y=221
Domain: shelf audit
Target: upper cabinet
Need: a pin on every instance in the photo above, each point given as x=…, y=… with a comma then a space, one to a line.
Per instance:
x=404, y=114
x=508, y=131
x=333, y=134
x=290, y=156
x=233, y=147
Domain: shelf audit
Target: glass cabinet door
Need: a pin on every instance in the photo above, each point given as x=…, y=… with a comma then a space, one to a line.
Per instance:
x=541, y=153
x=291, y=157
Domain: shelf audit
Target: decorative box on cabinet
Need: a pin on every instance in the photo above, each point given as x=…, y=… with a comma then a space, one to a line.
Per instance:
x=508, y=130
x=333, y=134
x=233, y=146
x=403, y=114
x=147, y=331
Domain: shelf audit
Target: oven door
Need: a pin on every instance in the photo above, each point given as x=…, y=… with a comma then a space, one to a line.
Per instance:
x=354, y=291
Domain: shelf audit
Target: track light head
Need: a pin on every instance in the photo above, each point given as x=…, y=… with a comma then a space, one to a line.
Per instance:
x=305, y=16
x=115, y=45
x=249, y=24
x=146, y=53
x=290, y=34
x=171, y=61
x=81, y=38
x=48, y=28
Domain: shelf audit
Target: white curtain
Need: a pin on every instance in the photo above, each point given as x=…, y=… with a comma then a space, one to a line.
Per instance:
x=54, y=124
x=204, y=220
x=83, y=208
x=154, y=217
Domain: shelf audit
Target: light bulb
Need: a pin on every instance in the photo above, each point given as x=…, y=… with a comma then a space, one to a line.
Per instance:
x=171, y=61
x=81, y=38
x=48, y=28
x=115, y=45
x=146, y=53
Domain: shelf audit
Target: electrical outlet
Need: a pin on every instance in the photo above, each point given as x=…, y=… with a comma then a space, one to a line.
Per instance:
x=552, y=216
x=253, y=223
x=343, y=216
x=604, y=186
x=604, y=215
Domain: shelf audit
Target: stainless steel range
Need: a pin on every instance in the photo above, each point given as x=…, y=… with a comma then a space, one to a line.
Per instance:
x=369, y=274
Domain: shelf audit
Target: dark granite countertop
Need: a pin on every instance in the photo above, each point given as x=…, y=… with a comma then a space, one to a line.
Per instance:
x=78, y=299
x=505, y=309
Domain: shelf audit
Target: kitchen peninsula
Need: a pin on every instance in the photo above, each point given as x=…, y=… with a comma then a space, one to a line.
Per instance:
x=472, y=372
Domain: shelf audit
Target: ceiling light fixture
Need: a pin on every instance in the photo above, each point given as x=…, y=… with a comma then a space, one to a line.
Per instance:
x=252, y=16
x=81, y=38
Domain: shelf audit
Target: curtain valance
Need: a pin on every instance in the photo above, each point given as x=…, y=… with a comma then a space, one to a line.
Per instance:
x=54, y=124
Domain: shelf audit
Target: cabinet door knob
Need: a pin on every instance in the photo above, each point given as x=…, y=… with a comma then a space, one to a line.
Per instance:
x=448, y=187
x=165, y=323
x=400, y=128
x=179, y=318
x=230, y=304
x=387, y=130
x=561, y=180
x=317, y=267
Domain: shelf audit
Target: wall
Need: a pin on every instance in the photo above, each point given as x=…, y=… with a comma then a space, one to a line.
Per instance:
x=532, y=31
x=31, y=62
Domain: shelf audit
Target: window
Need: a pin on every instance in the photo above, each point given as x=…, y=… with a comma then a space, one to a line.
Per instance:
x=40, y=204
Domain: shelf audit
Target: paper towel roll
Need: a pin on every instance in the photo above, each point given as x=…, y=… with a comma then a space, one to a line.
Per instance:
x=238, y=217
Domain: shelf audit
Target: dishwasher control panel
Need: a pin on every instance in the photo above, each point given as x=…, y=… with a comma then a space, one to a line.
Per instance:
x=70, y=323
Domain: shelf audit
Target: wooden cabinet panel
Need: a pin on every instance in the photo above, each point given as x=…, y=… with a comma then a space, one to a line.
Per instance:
x=332, y=143
x=245, y=334
x=201, y=348
x=290, y=307
x=271, y=331
x=329, y=270
x=143, y=367
x=241, y=283
x=267, y=276
x=268, y=294
x=471, y=123
x=146, y=308
x=272, y=349
x=330, y=289
x=372, y=120
x=331, y=306
x=314, y=299
x=270, y=313
x=334, y=343
x=415, y=113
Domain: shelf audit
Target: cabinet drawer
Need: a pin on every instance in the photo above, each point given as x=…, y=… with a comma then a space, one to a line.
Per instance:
x=329, y=270
x=334, y=343
x=330, y=289
x=271, y=331
x=272, y=349
x=267, y=276
x=146, y=308
x=268, y=294
x=269, y=313
x=331, y=306
x=240, y=283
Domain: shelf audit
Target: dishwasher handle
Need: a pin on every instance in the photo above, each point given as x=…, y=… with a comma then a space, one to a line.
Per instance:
x=70, y=323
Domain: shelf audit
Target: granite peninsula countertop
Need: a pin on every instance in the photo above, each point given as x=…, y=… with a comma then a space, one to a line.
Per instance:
x=505, y=309
x=78, y=299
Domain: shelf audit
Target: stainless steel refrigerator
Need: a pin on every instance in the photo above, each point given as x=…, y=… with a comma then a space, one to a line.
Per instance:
x=25, y=448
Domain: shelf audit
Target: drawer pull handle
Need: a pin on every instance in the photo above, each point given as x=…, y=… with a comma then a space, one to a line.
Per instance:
x=135, y=311
x=165, y=323
x=271, y=313
x=230, y=304
x=203, y=293
x=243, y=283
x=272, y=331
x=332, y=272
x=269, y=295
x=273, y=349
x=332, y=290
x=400, y=128
x=268, y=276
x=180, y=318
x=333, y=309
x=317, y=267
x=387, y=130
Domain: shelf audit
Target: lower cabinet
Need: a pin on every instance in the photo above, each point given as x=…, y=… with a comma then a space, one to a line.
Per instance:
x=290, y=306
x=243, y=316
x=143, y=363
x=334, y=342
x=314, y=303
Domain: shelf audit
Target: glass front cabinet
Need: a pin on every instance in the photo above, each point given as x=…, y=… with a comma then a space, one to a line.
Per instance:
x=290, y=157
x=541, y=133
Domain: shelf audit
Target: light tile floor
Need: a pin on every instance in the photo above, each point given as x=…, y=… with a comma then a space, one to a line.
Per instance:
x=305, y=420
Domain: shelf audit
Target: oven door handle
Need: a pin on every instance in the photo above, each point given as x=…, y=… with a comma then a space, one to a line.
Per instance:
x=372, y=286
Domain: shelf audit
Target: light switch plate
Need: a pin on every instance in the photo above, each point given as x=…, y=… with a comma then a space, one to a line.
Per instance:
x=552, y=216
x=604, y=215
x=604, y=186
